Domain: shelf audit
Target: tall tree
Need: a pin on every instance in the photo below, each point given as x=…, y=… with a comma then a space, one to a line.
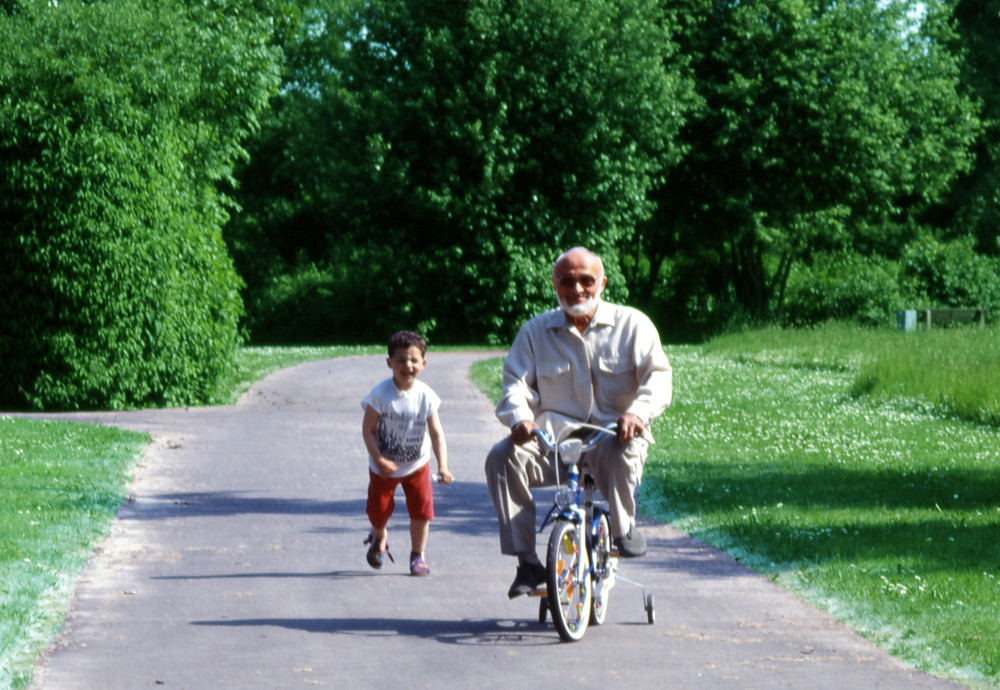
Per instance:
x=434, y=158
x=821, y=121
x=973, y=207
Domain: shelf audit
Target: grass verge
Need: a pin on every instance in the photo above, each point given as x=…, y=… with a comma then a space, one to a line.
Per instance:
x=60, y=486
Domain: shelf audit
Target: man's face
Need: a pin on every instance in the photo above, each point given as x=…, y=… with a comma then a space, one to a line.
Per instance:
x=579, y=281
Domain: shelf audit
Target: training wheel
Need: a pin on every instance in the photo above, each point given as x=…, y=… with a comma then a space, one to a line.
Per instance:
x=650, y=614
x=543, y=609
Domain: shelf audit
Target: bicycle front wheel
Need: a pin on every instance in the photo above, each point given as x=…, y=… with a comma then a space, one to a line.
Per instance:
x=569, y=598
x=603, y=571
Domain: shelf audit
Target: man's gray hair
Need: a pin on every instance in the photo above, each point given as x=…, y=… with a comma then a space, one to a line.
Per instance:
x=574, y=250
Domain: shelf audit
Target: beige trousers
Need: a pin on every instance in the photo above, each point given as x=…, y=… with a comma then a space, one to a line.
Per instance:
x=512, y=471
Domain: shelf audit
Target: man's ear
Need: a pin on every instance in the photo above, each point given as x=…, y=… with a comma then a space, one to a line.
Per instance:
x=388, y=362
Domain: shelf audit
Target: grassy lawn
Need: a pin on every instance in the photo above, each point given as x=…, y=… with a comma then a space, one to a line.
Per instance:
x=860, y=469
x=60, y=486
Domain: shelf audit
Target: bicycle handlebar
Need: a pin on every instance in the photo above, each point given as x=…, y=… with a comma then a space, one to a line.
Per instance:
x=570, y=449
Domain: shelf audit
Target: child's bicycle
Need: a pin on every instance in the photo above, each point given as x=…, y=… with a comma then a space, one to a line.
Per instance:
x=581, y=563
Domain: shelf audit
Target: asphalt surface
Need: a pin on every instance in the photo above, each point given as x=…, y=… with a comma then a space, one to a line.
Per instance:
x=238, y=563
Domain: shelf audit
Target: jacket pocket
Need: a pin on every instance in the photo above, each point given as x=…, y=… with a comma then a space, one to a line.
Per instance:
x=614, y=366
x=553, y=370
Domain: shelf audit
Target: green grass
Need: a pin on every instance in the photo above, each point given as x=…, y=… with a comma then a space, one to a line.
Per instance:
x=872, y=503
x=60, y=486
x=956, y=371
x=487, y=374
x=875, y=510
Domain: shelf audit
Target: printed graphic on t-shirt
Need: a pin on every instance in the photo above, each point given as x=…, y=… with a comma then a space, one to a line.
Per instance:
x=400, y=438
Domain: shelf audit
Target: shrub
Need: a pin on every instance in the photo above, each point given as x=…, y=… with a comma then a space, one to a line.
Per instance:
x=844, y=286
x=949, y=274
x=117, y=288
x=357, y=300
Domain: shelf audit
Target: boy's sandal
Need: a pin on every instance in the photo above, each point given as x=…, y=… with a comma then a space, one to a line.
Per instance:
x=375, y=557
x=419, y=567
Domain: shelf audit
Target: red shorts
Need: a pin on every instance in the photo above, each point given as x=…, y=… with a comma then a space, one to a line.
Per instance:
x=416, y=488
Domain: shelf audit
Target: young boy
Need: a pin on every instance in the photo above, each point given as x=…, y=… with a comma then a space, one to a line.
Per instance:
x=400, y=428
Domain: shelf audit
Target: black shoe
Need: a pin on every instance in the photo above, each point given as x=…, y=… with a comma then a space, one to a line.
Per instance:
x=529, y=576
x=632, y=544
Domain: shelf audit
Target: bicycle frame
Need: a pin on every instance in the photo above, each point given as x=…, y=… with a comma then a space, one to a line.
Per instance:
x=573, y=502
x=595, y=566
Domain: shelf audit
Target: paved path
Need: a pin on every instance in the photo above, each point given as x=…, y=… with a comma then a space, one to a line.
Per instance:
x=239, y=564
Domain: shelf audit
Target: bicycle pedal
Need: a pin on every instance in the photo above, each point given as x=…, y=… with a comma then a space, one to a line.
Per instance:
x=538, y=592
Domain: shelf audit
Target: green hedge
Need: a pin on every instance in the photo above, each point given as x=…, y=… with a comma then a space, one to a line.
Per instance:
x=869, y=289
x=950, y=274
x=842, y=286
x=117, y=121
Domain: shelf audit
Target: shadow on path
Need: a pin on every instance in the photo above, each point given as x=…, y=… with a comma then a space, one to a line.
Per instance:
x=229, y=503
x=500, y=633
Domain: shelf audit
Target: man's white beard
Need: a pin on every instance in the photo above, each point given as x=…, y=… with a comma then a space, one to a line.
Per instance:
x=580, y=308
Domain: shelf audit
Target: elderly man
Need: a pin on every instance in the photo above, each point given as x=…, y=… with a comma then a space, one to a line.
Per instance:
x=587, y=361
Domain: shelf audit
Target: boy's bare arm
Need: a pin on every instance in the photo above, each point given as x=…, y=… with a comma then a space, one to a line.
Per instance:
x=439, y=446
x=369, y=428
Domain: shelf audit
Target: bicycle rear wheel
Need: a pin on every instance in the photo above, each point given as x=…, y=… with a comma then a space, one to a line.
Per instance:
x=569, y=600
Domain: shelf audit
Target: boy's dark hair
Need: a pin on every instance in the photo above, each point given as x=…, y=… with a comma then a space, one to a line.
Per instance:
x=406, y=339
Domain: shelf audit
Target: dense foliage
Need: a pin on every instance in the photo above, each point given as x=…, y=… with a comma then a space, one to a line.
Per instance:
x=427, y=162
x=117, y=120
x=844, y=286
x=824, y=126
x=973, y=204
x=952, y=273
x=423, y=165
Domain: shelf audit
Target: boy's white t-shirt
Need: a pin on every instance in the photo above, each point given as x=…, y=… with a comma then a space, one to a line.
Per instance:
x=402, y=424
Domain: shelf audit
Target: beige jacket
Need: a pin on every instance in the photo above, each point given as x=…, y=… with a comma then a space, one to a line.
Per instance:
x=553, y=372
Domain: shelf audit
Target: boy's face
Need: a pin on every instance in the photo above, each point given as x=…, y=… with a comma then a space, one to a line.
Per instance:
x=406, y=363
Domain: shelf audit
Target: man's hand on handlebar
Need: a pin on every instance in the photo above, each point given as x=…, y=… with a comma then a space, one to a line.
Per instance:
x=521, y=432
x=629, y=426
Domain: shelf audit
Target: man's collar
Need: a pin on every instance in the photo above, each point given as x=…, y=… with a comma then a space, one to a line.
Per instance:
x=604, y=316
